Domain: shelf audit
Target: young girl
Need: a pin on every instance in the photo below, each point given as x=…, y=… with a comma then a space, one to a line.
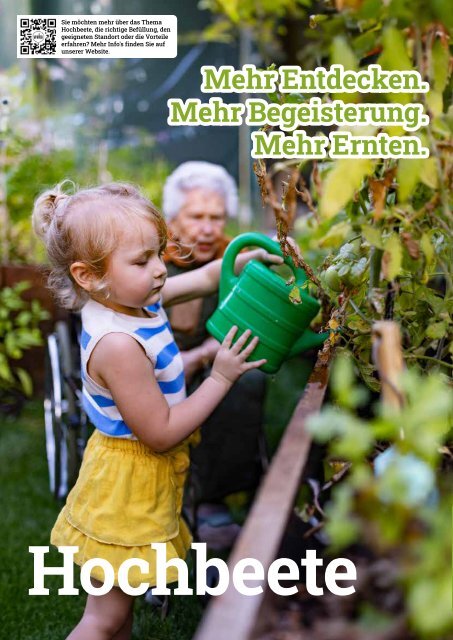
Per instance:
x=105, y=246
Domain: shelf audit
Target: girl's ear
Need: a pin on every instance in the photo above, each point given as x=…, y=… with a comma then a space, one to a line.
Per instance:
x=83, y=275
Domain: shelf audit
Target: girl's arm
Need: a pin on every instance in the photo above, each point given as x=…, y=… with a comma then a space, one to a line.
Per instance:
x=120, y=364
x=205, y=280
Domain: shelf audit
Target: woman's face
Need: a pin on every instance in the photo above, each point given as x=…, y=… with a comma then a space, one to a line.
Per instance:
x=200, y=223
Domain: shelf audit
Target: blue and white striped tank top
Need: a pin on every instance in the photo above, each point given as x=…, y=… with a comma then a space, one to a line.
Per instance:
x=155, y=336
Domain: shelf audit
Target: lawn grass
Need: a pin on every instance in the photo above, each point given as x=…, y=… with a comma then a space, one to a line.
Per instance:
x=28, y=513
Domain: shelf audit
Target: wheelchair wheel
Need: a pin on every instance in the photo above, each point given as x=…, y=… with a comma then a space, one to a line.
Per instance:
x=65, y=420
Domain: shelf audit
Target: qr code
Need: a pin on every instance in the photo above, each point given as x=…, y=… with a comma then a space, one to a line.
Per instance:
x=38, y=36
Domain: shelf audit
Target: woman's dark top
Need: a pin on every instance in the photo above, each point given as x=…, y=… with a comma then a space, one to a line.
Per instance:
x=228, y=457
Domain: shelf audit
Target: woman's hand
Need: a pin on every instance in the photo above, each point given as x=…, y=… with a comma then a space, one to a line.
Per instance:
x=257, y=254
x=230, y=362
x=205, y=280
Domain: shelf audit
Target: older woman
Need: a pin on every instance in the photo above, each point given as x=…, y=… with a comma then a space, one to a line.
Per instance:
x=198, y=199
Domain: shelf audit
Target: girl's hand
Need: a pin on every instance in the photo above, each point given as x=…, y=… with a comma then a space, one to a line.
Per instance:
x=230, y=362
x=257, y=254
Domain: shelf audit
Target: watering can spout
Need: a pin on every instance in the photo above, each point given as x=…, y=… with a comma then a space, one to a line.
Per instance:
x=308, y=340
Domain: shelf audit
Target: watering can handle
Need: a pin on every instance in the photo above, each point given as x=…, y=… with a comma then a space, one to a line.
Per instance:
x=228, y=278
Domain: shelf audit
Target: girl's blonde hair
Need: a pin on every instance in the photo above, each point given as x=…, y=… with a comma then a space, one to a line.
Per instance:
x=83, y=226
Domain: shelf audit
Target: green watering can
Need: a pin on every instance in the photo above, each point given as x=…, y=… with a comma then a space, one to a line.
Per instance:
x=258, y=299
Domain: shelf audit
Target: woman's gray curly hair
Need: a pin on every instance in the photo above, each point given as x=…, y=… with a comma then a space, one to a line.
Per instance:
x=197, y=174
x=86, y=226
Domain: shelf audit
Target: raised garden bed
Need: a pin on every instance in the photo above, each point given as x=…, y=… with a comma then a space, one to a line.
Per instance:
x=268, y=526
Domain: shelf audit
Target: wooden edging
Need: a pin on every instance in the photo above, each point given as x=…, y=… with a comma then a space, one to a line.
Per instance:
x=233, y=616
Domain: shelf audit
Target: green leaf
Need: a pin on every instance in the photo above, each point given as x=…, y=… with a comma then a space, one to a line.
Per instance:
x=294, y=98
x=392, y=259
x=230, y=8
x=341, y=527
x=336, y=235
x=394, y=56
x=429, y=601
x=366, y=371
x=373, y=236
x=26, y=338
x=428, y=173
x=346, y=392
x=427, y=248
x=429, y=401
x=294, y=295
x=25, y=381
x=440, y=60
x=316, y=19
x=22, y=286
x=408, y=175
x=370, y=10
x=435, y=102
x=359, y=325
x=352, y=439
x=5, y=370
x=24, y=318
x=12, y=302
x=439, y=125
x=12, y=346
x=274, y=97
x=341, y=53
x=437, y=330
x=341, y=183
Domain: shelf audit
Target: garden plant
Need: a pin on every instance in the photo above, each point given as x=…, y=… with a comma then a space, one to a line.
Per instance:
x=378, y=236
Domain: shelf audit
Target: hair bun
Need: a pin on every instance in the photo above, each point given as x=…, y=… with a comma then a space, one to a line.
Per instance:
x=45, y=208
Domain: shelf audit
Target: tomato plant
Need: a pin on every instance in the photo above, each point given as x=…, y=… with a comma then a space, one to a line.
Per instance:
x=376, y=241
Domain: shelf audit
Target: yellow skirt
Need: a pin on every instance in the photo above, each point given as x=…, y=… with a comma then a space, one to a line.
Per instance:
x=126, y=497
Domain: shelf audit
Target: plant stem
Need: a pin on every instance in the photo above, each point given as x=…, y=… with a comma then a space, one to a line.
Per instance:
x=389, y=301
x=357, y=310
x=446, y=274
x=432, y=142
x=375, y=270
x=430, y=358
x=363, y=205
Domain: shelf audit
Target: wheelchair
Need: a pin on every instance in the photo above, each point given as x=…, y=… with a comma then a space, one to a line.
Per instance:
x=66, y=424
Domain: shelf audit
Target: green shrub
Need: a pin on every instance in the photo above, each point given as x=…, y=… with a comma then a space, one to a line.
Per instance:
x=19, y=331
